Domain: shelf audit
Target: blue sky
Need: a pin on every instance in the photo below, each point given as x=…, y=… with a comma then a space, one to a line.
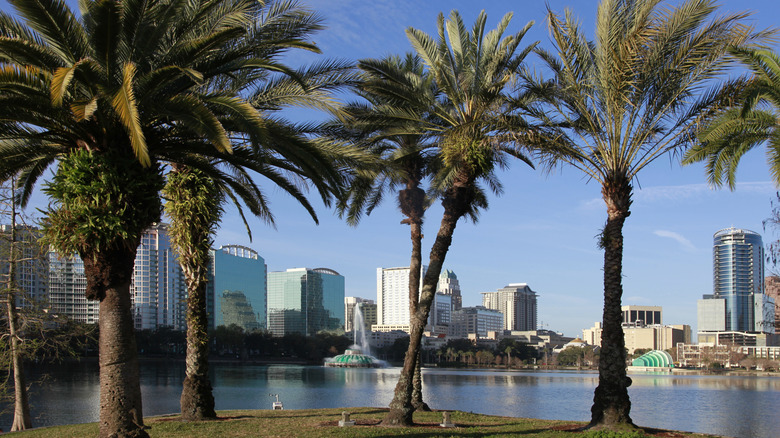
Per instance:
x=542, y=230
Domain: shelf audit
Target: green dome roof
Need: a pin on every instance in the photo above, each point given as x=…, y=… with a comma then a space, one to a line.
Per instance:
x=655, y=359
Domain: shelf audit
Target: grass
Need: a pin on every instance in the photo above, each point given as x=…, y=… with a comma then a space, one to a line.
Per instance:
x=324, y=423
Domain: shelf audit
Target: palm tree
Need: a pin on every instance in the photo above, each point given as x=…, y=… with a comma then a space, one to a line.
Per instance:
x=741, y=128
x=468, y=124
x=110, y=96
x=262, y=145
x=630, y=97
x=382, y=126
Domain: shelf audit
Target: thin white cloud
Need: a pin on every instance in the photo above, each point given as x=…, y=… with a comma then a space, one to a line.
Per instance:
x=636, y=300
x=687, y=191
x=685, y=243
x=593, y=204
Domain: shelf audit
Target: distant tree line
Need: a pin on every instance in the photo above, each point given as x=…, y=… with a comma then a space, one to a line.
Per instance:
x=233, y=342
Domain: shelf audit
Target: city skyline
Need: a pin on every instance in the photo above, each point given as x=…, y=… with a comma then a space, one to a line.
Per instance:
x=543, y=230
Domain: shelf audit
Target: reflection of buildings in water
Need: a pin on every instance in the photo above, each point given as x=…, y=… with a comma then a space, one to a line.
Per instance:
x=285, y=372
x=518, y=379
x=750, y=383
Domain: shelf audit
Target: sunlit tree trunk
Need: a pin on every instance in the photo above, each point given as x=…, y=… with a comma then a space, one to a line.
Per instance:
x=22, y=419
x=121, y=414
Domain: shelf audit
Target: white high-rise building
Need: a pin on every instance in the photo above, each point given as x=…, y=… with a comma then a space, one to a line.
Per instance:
x=67, y=288
x=157, y=289
x=392, y=295
x=392, y=291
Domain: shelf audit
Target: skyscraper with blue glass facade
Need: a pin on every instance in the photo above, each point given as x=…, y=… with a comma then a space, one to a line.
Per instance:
x=738, y=278
x=237, y=288
x=305, y=301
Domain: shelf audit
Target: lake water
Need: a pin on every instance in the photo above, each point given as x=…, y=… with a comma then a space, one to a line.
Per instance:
x=725, y=405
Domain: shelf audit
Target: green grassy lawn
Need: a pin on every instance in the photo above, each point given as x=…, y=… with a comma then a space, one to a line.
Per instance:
x=324, y=423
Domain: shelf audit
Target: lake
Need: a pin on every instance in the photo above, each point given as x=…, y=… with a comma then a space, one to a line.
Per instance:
x=735, y=406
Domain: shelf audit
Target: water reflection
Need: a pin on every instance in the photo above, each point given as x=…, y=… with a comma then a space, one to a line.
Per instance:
x=726, y=405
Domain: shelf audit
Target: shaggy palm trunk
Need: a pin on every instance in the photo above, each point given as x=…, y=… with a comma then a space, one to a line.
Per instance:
x=197, y=399
x=412, y=206
x=194, y=208
x=611, y=404
x=22, y=419
x=456, y=201
x=120, y=389
x=417, y=396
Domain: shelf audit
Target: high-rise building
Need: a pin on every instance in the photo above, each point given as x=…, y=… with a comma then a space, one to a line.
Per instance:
x=32, y=264
x=518, y=304
x=449, y=285
x=738, y=275
x=67, y=288
x=441, y=311
x=475, y=320
x=237, y=288
x=392, y=290
x=367, y=309
x=738, y=286
x=158, y=289
x=305, y=301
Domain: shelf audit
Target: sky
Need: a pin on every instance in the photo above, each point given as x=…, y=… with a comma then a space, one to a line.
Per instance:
x=542, y=230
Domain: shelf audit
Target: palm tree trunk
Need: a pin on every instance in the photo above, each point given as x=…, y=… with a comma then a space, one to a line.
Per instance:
x=417, y=397
x=109, y=271
x=412, y=201
x=611, y=404
x=194, y=208
x=197, y=399
x=456, y=201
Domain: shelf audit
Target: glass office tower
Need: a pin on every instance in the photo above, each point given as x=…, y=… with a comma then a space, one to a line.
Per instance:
x=305, y=301
x=738, y=276
x=236, y=289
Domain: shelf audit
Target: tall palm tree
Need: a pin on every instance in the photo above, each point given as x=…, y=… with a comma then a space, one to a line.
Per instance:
x=390, y=129
x=262, y=146
x=629, y=97
x=468, y=123
x=740, y=128
x=109, y=96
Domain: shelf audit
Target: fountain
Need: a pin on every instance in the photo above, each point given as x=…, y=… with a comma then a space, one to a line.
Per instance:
x=357, y=355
